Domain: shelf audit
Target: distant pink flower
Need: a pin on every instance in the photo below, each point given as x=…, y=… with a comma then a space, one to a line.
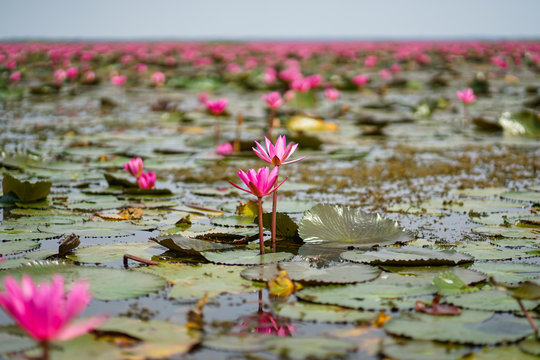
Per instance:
x=385, y=74
x=15, y=77
x=301, y=85
x=277, y=154
x=170, y=61
x=259, y=183
x=499, y=62
x=216, y=107
x=314, y=80
x=289, y=75
x=234, y=68
x=10, y=65
x=147, y=180
x=89, y=76
x=134, y=167
x=141, y=68
x=59, y=76
x=423, y=58
x=370, y=61
x=467, y=96
x=396, y=68
x=289, y=95
x=225, y=149
x=203, y=98
x=331, y=94
x=118, y=80
x=265, y=323
x=72, y=72
x=45, y=311
x=269, y=75
x=273, y=99
x=360, y=80
x=158, y=78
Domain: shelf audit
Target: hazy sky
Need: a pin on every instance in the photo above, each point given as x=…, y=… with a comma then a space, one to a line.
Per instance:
x=270, y=19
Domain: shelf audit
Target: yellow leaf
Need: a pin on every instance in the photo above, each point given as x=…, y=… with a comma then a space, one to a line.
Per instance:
x=281, y=285
x=249, y=208
x=381, y=319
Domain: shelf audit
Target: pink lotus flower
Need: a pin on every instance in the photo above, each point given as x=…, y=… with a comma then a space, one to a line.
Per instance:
x=216, y=107
x=277, y=154
x=147, y=180
x=259, y=183
x=360, y=80
x=158, y=78
x=118, y=80
x=141, y=68
x=234, y=68
x=72, y=72
x=273, y=99
x=15, y=77
x=370, y=61
x=289, y=95
x=499, y=62
x=314, y=80
x=301, y=85
x=265, y=323
x=134, y=167
x=89, y=76
x=331, y=94
x=269, y=75
x=203, y=98
x=396, y=68
x=385, y=74
x=59, y=76
x=467, y=96
x=45, y=311
x=10, y=65
x=225, y=149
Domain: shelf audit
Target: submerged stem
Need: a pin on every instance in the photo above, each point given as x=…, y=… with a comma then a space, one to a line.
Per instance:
x=261, y=235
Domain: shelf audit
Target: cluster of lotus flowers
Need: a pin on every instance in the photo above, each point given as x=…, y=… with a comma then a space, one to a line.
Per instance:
x=145, y=180
x=263, y=182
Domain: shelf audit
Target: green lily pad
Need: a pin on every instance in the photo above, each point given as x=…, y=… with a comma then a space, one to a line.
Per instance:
x=284, y=206
x=194, y=281
x=508, y=272
x=479, y=192
x=323, y=313
x=237, y=342
x=10, y=343
x=316, y=348
x=110, y=252
x=246, y=257
x=503, y=219
x=184, y=244
x=25, y=190
x=286, y=228
x=491, y=300
x=531, y=346
x=407, y=257
x=527, y=196
x=210, y=191
x=483, y=250
x=16, y=247
x=234, y=221
x=105, y=283
x=471, y=327
x=510, y=232
x=341, y=226
x=85, y=347
x=303, y=272
x=509, y=352
x=422, y=350
x=23, y=235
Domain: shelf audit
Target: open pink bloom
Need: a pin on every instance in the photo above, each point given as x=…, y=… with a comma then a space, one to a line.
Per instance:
x=385, y=74
x=158, y=78
x=314, y=80
x=59, y=76
x=276, y=154
x=118, y=80
x=260, y=183
x=360, y=80
x=273, y=99
x=301, y=85
x=370, y=61
x=499, y=62
x=331, y=94
x=216, y=107
x=72, y=72
x=141, y=68
x=225, y=149
x=15, y=77
x=269, y=75
x=10, y=65
x=134, y=167
x=147, y=180
x=45, y=311
x=467, y=95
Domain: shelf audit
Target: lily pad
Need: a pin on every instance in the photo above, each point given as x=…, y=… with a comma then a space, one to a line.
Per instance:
x=105, y=283
x=510, y=232
x=520, y=123
x=234, y=221
x=508, y=272
x=323, y=313
x=483, y=250
x=316, y=348
x=10, y=343
x=471, y=327
x=527, y=196
x=284, y=206
x=509, y=352
x=194, y=281
x=25, y=190
x=184, y=244
x=16, y=247
x=110, y=252
x=246, y=257
x=479, y=192
x=407, y=256
x=342, y=226
x=422, y=350
x=491, y=300
x=303, y=272
x=286, y=228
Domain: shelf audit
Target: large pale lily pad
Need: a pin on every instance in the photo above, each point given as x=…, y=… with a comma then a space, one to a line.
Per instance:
x=323, y=313
x=471, y=327
x=304, y=272
x=491, y=300
x=527, y=196
x=111, y=252
x=510, y=232
x=245, y=257
x=407, y=256
x=508, y=272
x=194, y=281
x=422, y=350
x=342, y=226
x=435, y=206
x=16, y=247
x=299, y=348
x=105, y=283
